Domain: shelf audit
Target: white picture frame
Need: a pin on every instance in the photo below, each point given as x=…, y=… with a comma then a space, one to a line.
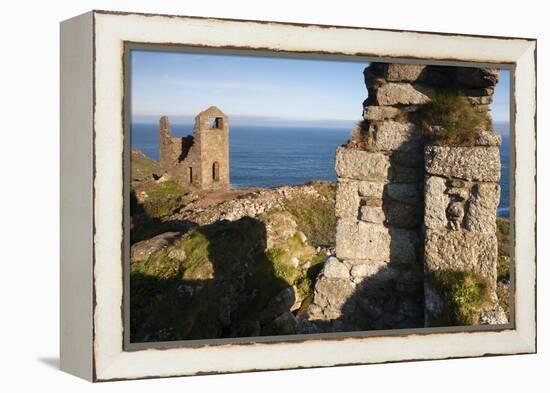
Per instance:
x=92, y=197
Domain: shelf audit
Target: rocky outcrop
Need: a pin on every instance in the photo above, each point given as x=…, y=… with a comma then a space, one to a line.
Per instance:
x=242, y=269
x=252, y=204
x=142, y=250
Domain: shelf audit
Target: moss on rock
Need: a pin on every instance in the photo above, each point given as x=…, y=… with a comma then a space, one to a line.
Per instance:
x=463, y=293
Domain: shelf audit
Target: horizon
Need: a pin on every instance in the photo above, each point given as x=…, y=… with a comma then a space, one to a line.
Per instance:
x=255, y=91
x=270, y=122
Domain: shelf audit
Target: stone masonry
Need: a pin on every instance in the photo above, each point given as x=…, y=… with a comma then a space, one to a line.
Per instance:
x=405, y=209
x=198, y=161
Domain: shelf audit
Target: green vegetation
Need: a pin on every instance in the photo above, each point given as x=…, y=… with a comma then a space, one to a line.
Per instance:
x=222, y=263
x=463, y=293
x=226, y=272
x=164, y=199
x=363, y=136
x=503, y=236
x=315, y=216
x=450, y=120
x=143, y=168
x=503, y=226
x=503, y=268
x=503, y=294
x=503, y=264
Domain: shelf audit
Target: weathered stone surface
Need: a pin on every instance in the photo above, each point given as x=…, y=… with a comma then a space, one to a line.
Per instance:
x=402, y=215
x=469, y=163
x=279, y=304
x=333, y=268
x=403, y=72
x=476, y=77
x=460, y=250
x=488, y=138
x=412, y=158
x=375, y=112
x=392, y=135
x=477, y=92
x=367, y=269
x=178, y=254
x=371, y=189
x=371, y=201
x=495, y=316
x=482, y=208
x=361, y=165
x=483, y=108
x=305, y=326
x=333, y=294
x=362, y=240
x=347, y=199
x=433, y=302
x=458, y=193
x=372, y=214
x=405, y=174
x=403, y=245
x=279, y=226
x=409, y=193
x=142, y=250
x=285, y=323
x=403, y=94
x=480, y=100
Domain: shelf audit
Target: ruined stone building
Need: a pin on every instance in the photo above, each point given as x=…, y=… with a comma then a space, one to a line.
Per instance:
x=198, y=161
x=408, y=209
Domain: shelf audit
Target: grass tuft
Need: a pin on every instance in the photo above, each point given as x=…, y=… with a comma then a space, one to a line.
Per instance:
x=315, y=217
x=164, y=199
x=450, y=120
x=464, y=295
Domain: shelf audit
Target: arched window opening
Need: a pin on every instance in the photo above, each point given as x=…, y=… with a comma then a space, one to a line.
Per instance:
x=216, y=171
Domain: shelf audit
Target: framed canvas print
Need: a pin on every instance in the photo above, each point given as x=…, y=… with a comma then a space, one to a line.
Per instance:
x=248, y=195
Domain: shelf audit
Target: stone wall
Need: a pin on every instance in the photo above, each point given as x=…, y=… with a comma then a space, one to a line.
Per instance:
x=405, y=209
x=199, y=161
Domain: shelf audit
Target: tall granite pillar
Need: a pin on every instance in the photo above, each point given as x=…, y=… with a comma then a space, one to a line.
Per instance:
x=406, y=210
x=379, y=205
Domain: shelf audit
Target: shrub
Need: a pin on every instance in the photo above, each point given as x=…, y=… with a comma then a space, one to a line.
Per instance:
x=463, y=293
x=503, y=268
x=450, y=120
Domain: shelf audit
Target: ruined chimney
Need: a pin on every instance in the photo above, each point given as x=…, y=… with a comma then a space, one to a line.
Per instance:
x=409, y=208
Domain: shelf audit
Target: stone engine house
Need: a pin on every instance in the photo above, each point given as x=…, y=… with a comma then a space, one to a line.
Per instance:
x=198, y=161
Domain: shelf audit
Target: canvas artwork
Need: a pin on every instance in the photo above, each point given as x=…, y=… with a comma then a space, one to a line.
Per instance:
x=245, y=195
x=287, y=196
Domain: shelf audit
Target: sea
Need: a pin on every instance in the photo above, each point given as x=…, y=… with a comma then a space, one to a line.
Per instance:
x=269, y=156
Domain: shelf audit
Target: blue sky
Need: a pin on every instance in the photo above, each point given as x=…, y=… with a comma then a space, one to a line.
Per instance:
x=250, y=88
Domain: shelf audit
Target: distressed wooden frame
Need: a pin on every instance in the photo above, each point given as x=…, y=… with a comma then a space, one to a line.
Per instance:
x=93, y=250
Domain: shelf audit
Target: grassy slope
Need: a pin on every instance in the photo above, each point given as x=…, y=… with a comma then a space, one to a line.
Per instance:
x=503, y=263
x=229, y=272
